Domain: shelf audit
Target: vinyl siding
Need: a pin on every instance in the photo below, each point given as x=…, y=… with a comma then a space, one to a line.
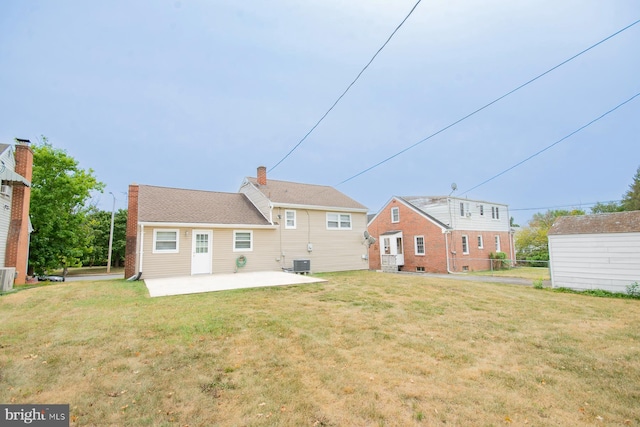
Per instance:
x=447, y=211
x=261, y=258
x=608, y=261
x=9, y=161
x=257, y=198
x=332, y=250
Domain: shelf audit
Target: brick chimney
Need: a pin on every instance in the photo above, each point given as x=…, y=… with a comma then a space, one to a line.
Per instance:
x=17, y=252
x=130, y=257
x=262, y=175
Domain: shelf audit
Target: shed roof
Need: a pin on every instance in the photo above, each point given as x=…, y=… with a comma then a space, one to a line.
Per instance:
x=175, y=205
x=294, y=193
x=618, y=222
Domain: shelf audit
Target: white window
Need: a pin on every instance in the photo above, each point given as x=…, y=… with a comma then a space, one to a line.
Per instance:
x=481, y=210
x=165, y=241
x=464, y=209
x=465, y=245
x=290, y=219
x=480, y=242
x=495, y=212
x=497, y=243
x=338, y=221
x=242, y=241
x=395, y=214
x=419, y=244
x=387, y=245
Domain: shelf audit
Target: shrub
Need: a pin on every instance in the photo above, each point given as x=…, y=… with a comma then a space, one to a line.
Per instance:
x=634, y=290
x=537, y=284
x=498, y=261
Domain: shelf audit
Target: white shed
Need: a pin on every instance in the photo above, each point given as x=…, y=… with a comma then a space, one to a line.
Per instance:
x=595, y=251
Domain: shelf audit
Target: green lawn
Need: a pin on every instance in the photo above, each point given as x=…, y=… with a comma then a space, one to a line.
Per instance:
x=363, y=349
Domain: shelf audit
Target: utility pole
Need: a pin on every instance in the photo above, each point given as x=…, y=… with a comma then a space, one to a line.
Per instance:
x=113, y=212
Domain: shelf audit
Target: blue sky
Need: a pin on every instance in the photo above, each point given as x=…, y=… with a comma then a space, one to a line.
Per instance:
x=198, y=94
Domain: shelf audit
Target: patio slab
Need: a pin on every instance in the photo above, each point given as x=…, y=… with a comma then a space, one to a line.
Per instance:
x=221, y=282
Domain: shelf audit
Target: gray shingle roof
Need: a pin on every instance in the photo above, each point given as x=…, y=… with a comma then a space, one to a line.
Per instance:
x=293, y=193
x=164, y=204
x=618, y=222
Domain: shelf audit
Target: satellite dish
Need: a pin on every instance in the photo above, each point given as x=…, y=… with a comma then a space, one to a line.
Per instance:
x=371, y=240
x=454, y=187
x=366, y=234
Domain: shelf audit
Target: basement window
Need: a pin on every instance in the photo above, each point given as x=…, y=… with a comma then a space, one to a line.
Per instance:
x=420, y=269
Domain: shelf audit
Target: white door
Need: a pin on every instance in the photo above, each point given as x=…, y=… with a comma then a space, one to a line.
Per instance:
x=201, y=252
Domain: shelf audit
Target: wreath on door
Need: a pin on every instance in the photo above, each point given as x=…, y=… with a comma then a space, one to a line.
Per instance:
x=241, y=261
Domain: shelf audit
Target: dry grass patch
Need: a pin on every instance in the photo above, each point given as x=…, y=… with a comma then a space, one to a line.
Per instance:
x=363, y=349
x=532, y=273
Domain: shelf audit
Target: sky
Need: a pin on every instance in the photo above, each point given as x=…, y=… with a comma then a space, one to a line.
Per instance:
x=198, y=94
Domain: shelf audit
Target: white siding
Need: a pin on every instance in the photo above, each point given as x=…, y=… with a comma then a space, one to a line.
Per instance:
x=595, y=261
x=447, y=211
x=259, y=200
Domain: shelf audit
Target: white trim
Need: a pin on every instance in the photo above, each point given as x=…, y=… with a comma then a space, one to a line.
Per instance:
x=320, y=208
x=206, y=225
x=415, y=246
x=339, y=227
x=250, y=248
x=465, y=238
x=155, y=250
x=295, y=223
x=395, y=211
x=480, y=241
x=498, y=243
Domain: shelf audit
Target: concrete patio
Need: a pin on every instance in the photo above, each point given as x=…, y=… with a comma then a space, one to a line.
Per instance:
x=221, y=282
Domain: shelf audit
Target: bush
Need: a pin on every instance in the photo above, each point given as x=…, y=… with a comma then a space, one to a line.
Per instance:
x=634, y=290
x=538, y=284
x=498, y=261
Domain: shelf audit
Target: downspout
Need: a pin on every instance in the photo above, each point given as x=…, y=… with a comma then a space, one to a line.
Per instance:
x=446, y=244
x=511, y=245
x=141, y=248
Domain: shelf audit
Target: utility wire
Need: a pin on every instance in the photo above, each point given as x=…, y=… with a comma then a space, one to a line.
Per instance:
x=555, y=143
x=489, y=104
x=348, y=87
x=564, y=206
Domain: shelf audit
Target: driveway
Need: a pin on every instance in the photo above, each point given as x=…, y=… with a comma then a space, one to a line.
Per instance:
x=222, y=282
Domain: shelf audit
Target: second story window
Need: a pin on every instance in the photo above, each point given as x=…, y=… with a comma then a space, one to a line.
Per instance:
x=395, y=214
x=495, y=212
x=290, y=219
x=338, y=221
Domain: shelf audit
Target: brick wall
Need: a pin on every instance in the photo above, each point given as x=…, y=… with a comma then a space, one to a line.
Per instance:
x=130, y=257
x=411, y=224
x=17, y=252
x=434, y=260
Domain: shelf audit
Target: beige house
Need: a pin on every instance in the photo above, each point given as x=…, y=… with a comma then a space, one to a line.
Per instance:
x=266, y=226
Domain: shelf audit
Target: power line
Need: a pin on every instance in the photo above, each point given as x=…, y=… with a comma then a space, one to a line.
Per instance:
x=348, y=87
x=564, y=206
x=489, y=104
x=555, y=143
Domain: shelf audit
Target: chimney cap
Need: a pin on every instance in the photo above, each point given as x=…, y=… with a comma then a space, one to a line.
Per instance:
x=23, y=141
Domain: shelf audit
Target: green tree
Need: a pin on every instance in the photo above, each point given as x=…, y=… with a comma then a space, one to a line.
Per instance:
x=97, y=253
x=631, y=199
x=59, y=194
x=531, y=241
x=606, y=207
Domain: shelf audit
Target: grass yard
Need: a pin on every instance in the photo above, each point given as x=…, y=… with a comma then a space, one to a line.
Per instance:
x=364, y=349
x=533, y=273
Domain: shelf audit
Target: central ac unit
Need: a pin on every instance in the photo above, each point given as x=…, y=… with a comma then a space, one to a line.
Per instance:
x=301, y=266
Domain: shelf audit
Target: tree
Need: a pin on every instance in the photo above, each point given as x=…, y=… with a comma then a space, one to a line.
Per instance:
x=608, y=207
x=531, y=241
x=97, y=253
x=60, y=190
x=631, y=199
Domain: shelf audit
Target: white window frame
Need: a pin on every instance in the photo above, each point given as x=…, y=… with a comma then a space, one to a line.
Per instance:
x=415, y=246
x=395, y=214
x=337, y=218
x=465, y=244
x=235, y=241
x=480, y=242
x=495, y=212
x=497, y=240
x=155, y=241
x=286, y=220
x=481, y=210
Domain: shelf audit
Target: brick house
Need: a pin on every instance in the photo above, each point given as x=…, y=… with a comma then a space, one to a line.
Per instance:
x=16, y=170
x=438, y=234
